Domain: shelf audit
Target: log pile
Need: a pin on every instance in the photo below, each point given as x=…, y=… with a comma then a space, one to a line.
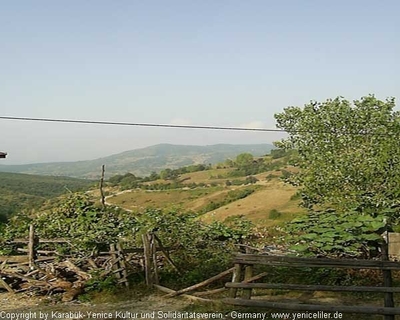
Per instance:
x=48, y=272
x=38, y=271
x=45, y=276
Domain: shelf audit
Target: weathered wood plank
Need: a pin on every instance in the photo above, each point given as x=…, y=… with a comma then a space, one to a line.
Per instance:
x=169, y=291
x=315, y=262
x=26, y=241
x=31, y=247
x=6, y=286
x=284, y=286
x=201, y=284
x=248, y=274
x=236, y=277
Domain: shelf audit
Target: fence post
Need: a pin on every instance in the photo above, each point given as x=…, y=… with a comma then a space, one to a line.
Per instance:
x=153, y=250
x=150, y=263
x=248, y=273
x=236, y=278
x=387, y=278
x=31, y=247
x=122, y=264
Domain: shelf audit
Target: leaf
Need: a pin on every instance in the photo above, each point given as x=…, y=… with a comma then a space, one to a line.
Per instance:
x=299, y=247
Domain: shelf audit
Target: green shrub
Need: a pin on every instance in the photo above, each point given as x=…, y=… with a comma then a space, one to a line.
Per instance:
x=274, y=214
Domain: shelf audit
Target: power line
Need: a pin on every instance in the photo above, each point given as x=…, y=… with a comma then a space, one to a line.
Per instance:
x=142, y=124
x=201, y=127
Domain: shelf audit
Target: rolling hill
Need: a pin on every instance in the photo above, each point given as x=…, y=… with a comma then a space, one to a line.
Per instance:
x=216, y=194
x=143, y=161
x=25, y=191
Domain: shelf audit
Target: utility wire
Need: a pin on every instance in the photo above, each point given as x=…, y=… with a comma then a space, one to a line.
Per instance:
x=142, y=124
x=178, y=126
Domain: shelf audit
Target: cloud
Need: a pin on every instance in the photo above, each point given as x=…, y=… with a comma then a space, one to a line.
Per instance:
x=181, y=122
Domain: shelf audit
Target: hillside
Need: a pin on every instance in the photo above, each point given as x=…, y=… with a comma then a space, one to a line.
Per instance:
x=142, y=161
x=25, y=191
x=218, y=193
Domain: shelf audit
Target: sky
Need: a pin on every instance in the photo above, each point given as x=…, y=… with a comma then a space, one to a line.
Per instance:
x=213, y=63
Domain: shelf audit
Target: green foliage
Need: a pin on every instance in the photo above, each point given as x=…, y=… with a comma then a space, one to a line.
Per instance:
x=274, y=214
x=231, y=196
x=20, y=191
x=168, y=174
x=199, y=249
x=244, y=159
x=250, y=180
x=78, y=219
x=248, y=168
x=349, y=155
x=278, y=153
x=99, y=283
x=336, y=234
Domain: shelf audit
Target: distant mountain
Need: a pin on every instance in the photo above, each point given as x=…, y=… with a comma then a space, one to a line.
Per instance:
x=143, y=161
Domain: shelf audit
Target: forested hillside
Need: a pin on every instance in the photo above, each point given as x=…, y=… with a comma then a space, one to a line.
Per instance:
x=25, y=191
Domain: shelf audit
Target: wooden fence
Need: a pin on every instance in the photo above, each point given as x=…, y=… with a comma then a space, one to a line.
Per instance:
x=243, y=275
x=49, y=270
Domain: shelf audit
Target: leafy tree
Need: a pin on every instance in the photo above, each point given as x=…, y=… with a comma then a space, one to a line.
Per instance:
x=168, y=174
x=244, y=159
x=349, y=154
x=349, y=159
x=153, y=176
x=278, y=153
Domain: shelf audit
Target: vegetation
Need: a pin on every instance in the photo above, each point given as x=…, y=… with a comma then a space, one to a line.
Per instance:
x=329, y=233
x=78, y=219
x=231, y=196
x=349, y=159
x=21, y=191
x=199, y=249
x=203, y=212
x=142, y=162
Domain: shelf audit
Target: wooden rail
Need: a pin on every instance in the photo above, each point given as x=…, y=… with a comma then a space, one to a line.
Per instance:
x=242, y=279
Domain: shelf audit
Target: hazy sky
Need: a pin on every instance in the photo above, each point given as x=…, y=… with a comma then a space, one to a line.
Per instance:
x=203, y=62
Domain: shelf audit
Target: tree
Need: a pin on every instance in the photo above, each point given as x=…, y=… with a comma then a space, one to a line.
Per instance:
x=168, y=174
x=349, y=154
x=244, y=159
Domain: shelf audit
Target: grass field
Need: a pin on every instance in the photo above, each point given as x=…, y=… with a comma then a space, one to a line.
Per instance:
x=256, y=207
x=271, y=194
x=178, y=198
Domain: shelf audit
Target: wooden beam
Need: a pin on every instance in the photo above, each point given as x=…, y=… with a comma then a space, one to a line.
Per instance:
x=298, y=262
x=201, y=284
x=6, y=286
x=248, y=274
x=188, y=296
x=59, y=240
x=284, y=286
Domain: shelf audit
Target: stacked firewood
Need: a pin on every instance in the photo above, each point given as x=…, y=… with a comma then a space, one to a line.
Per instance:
x=45, y=276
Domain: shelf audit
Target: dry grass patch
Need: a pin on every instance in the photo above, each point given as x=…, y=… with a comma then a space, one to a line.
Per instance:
x=256, y=207
x=140, y=199
x=206, y=176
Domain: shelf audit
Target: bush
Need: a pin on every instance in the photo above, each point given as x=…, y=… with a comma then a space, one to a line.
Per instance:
x=274, y=214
